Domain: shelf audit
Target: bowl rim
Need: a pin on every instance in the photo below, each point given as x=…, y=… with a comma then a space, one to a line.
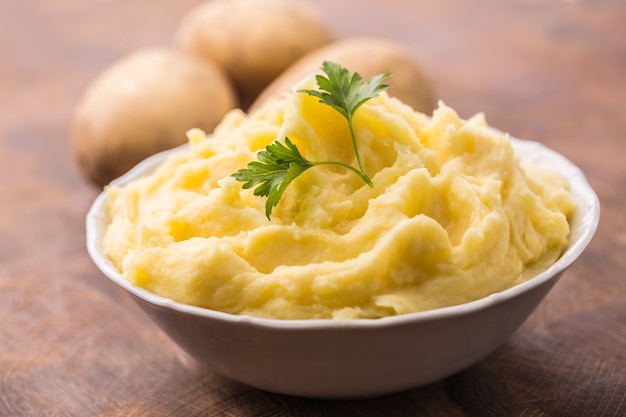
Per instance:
x=536, y=153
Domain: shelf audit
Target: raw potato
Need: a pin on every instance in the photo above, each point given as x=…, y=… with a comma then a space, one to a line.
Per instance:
x=368, y=57
x=252, y=40
x=143, y=104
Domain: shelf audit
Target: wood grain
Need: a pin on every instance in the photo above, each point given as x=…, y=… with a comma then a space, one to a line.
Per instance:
x=73, y=345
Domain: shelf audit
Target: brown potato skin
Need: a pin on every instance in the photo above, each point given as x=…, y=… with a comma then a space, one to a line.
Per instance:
x=252, y=40
x=368, y=56
x=143, y=104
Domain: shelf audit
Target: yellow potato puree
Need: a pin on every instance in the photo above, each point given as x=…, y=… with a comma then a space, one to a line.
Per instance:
x=452, y=217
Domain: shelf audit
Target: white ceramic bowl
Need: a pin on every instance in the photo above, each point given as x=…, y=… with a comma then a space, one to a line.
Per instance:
x=361, y=358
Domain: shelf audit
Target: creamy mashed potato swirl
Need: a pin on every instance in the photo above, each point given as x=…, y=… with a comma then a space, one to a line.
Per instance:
x=452, y=217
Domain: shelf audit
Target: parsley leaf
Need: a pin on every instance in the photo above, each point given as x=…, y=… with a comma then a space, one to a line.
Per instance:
x=343, y=91
x=276, y=167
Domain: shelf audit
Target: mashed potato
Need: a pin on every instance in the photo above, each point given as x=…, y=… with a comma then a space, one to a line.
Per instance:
x=452, y=217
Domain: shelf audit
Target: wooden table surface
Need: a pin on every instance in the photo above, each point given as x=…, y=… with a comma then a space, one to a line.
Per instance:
x=72, y=344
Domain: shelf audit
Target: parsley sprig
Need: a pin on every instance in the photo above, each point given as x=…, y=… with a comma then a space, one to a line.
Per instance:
x=279, y=164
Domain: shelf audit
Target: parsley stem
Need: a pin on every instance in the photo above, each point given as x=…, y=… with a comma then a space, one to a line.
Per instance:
x=361, y=174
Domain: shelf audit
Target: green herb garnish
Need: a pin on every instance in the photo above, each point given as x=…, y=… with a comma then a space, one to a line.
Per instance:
x=278, y=165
